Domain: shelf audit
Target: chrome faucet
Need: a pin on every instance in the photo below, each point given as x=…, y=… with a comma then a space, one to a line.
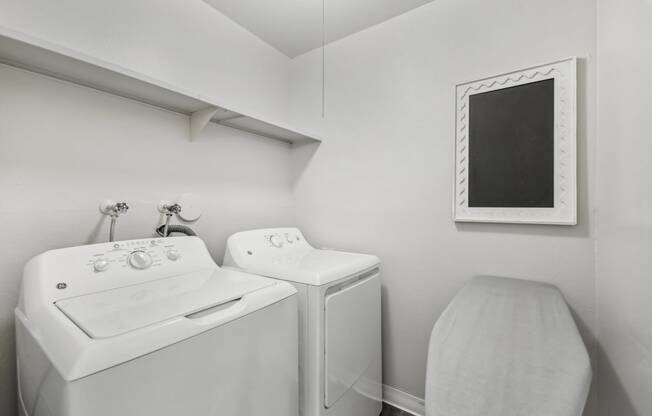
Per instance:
x=169, y=211
x=114, y=210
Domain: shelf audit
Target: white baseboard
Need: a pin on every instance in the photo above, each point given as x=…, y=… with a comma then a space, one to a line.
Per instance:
x=403, y=401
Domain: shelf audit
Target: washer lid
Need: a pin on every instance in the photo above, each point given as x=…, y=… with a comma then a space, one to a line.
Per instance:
x=115, y=312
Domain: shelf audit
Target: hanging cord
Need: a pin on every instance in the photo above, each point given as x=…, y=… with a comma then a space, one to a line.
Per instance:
x=323, y=60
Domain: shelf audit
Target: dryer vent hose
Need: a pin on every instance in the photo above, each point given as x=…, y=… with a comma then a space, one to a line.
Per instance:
x=181, y=229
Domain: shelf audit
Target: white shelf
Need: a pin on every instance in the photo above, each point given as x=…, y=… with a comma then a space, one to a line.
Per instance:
x=39, y=56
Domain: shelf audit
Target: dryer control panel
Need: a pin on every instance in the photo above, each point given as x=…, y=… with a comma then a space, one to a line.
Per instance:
x=278, y=238
x=269, y=243
x=284, y=253
x=270, y=246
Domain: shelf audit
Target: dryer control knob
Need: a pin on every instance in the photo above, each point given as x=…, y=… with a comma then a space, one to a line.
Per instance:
x=100, y=265
x=276, y=241
x=173, y=255
x=140, y=260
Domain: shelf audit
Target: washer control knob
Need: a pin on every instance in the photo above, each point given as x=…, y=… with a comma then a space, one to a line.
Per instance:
x=100, y=265
x=173, y=255
x=289, y=239
x=140, y=260
x=276, y=241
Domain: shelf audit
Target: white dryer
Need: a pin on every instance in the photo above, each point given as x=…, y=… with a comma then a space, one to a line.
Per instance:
x=339, y=317
x=153, y=327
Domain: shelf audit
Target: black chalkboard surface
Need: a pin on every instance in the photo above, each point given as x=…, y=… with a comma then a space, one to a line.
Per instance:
x=511, y=146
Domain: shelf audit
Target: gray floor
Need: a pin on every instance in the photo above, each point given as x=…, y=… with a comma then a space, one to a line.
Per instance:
x=392, y=411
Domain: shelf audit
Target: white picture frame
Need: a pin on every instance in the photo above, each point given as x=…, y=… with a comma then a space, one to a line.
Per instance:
x=564, y=210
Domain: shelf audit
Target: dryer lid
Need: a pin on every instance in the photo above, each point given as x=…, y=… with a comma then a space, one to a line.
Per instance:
x=284, y=253
x=314, y=267
x=115, y=312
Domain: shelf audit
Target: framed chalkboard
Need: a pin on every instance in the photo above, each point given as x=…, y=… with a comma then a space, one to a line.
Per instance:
x=515, y=147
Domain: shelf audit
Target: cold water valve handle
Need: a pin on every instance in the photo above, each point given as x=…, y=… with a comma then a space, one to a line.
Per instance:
x=120, y=208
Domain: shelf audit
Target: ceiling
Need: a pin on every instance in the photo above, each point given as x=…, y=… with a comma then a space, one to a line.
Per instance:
x=294, y=26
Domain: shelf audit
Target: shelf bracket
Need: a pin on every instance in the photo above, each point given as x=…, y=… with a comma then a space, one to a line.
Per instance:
x=199, y=120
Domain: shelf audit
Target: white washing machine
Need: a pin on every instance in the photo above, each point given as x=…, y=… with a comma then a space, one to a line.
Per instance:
x=153, y=327
x=339, y=317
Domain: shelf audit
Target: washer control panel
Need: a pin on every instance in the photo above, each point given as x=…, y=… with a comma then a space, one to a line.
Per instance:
x=78, y=270
x=136, y=255
x=140, y=259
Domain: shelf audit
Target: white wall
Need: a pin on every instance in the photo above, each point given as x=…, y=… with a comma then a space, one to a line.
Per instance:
x=185, y=43
x=624, y=260
x=382, y=183
x=63, y=148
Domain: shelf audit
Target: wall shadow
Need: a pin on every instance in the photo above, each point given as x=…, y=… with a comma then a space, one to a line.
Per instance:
x=613, y=398
x=300, y=157
x=94, y=235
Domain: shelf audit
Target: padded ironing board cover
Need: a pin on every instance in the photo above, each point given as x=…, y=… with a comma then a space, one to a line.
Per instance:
x=507, y=347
